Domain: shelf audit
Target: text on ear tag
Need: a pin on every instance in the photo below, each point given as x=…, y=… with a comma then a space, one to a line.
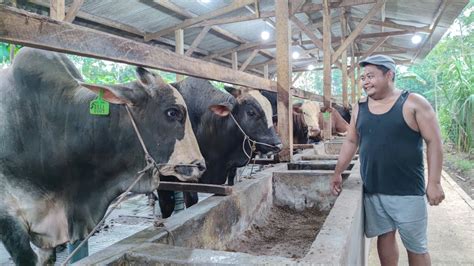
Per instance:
x=98, y=106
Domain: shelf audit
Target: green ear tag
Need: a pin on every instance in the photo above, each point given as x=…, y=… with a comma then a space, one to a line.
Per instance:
x=326, y=115
x=99, y=106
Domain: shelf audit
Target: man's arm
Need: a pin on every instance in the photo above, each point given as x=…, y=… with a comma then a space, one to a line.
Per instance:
x=429, y=129
x=348, y=149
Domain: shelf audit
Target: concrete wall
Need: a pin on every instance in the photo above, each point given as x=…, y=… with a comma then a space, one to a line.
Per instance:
x=341, y=241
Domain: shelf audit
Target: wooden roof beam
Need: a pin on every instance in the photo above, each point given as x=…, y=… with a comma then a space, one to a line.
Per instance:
x=383, y=52
x=358, y=30
x=434, y=23
x=374, y=47
x=389, y=24
x=197, y=41
x=72, y=11
x=237, y=4
x=69, y=38
x=248, y=60
x=190, y=15
x=268, y=14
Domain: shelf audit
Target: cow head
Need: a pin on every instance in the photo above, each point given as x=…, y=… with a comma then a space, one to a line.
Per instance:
x=161, y=116
x=253, y=112
x=311, y=114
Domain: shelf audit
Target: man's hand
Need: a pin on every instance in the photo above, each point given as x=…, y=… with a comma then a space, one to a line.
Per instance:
x=435, y=193
x=336, y=184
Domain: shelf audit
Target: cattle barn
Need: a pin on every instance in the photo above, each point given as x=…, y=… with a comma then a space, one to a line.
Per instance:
x=256, y=44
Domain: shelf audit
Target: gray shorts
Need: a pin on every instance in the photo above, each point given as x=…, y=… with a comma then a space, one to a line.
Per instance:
x=407, y=214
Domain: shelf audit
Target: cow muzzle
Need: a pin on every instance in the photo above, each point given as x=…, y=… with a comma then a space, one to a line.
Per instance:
x=190, y=172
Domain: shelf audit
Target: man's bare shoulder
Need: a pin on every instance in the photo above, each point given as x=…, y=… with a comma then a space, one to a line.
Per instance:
x=363, y=99
x=417, y=101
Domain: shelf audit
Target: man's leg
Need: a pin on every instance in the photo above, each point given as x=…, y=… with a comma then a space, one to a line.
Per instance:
x=387, y=249
x=415, y=259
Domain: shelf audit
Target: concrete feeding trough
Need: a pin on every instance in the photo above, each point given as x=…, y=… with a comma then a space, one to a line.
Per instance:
x=278, y=217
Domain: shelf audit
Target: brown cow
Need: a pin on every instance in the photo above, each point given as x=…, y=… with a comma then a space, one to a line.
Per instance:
x=339, y=125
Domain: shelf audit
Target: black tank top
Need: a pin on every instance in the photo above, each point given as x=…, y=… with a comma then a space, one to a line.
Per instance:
x=391, y=153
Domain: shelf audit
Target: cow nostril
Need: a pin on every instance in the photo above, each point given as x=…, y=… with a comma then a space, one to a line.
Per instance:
x=200, y=165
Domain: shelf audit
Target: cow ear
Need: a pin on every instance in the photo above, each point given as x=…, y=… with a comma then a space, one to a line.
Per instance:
x=233, y=91
x=220, y=109
x=149, y=81
x=111, y=95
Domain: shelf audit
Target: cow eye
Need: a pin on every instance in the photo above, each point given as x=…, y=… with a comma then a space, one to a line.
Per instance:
x=251, y=113
x=174, y=114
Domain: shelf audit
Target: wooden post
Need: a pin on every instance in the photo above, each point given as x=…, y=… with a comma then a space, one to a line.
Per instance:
x=359, y=84
x=57, y=10
x=235, y=61
x=265, y=71
x=179, y=48
x=345, y=101
x=327, y=65
x=353, y=80
x=285, y=121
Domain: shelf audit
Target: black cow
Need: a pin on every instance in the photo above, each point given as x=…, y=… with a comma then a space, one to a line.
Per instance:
x=219, y=137
x=61, y=167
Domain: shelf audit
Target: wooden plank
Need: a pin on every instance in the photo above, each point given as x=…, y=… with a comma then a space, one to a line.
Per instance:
x=393, y=25
x=327, y=64
x=283, y=37
x=353, y=80
x=374, y=47
x=308, y=32
x=397, y=52
x=343, y=18
x=197, y=41
x=41, y=32
x=249, y=59
x=235, y=61
x=236, y=4
x=57, y=9
x=179, y=48
x=296, y=78
x=358, y=29
x=196, y=187
x=307, y=8
x=265, y=71
x=303, y=146
x=434, y=23
x=73, y=10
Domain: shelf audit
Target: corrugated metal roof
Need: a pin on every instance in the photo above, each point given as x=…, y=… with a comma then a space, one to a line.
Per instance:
x=149, y=16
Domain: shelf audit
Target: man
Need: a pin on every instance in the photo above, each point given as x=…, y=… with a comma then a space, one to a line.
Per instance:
x=388, y=127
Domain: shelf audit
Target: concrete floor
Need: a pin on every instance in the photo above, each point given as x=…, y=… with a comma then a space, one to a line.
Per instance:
x=450, y=229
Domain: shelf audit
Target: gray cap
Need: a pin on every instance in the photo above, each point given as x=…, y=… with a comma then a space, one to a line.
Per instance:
x=381, y=60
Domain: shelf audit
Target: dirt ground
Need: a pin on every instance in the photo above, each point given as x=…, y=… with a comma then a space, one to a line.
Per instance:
x=455, y=164
x=286, y=233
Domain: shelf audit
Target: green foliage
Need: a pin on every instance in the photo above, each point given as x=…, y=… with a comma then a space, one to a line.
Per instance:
x=446, y=78
x=5, y=49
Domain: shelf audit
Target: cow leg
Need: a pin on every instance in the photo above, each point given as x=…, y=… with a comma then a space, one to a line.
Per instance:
x=190, y=198
x=167, y=202
x=16, y=240
x=231, y=176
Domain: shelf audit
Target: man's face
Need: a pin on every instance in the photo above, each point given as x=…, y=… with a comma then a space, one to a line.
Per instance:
x=374, y=81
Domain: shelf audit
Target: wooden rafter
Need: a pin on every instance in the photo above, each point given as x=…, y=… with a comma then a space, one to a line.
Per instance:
x=391, y=52
x=74, y=39
x=197, y=41
x=269, y=14
x=389, y=24
x=358, y=30
x=72, y=11
x=374, y=47
x=57, y=9
x=308, y=32
x=190, y=15
x=189, y=22
x=434, y=23
x=249, y=59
